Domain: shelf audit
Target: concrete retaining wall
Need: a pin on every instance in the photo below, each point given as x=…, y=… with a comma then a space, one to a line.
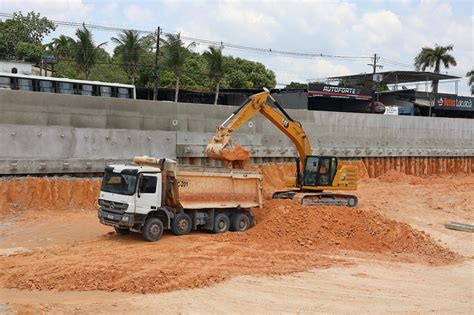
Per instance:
x=60, y=129
x=28, y=149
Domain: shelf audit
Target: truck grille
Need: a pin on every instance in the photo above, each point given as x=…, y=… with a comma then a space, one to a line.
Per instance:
x=112, y=206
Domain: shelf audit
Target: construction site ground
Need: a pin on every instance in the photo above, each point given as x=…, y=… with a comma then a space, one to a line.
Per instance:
x=390, y=254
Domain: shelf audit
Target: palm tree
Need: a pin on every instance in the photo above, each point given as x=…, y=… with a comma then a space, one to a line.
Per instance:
x=433, y=58
x=470, y=75
x=130, y=47
x=216, y=67
x=85, y=51
x=175, y=56
x=62, y=46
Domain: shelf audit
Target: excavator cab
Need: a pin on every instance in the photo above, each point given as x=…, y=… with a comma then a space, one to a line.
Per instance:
x=319, y=171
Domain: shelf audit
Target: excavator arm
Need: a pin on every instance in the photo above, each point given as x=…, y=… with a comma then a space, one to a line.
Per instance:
x=221, y=146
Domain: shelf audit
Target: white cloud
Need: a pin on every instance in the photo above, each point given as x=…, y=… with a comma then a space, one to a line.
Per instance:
x=110, y=9
x=54, y=9
x=139, y=15
x=301, y=70
x=376, y=28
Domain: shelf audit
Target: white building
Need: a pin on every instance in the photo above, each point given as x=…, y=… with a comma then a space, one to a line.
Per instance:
x=10, y=66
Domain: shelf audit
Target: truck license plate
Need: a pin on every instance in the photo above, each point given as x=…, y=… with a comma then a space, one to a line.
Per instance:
x=109, y=216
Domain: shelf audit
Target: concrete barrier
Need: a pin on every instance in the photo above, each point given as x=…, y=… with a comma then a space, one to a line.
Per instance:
x=83, y=130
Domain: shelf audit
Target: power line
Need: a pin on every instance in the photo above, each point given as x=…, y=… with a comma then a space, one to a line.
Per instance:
x=212, y=42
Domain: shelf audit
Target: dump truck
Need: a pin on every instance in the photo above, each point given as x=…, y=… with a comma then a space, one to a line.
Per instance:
x=152, y=194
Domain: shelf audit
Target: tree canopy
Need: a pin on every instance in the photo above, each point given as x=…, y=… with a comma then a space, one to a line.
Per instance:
x=132, y=60
x=21, y=36
x=434, y=58
x=296, y=85
x=129, y=48
x=216, y=67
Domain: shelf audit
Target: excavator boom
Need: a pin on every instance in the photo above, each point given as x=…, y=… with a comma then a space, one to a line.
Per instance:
x=221, y=146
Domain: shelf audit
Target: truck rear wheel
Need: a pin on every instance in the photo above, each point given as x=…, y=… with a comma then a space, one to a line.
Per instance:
x=181, y=224
x=221, y=223
x=153, y=229
x=122, y=231
x=239, y=222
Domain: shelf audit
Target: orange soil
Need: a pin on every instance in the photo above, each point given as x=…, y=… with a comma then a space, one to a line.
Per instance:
x=42, y=193
x=287, y=238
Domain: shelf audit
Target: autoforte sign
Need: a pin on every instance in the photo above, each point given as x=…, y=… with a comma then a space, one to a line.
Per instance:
x=338, y=91
x=453, y=102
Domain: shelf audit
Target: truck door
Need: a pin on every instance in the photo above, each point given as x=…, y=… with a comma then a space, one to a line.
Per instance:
x=148, y=195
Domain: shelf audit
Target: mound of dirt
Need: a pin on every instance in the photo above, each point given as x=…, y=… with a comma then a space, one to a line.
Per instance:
x=274, y=176
x=286, y=225
x=43, y=193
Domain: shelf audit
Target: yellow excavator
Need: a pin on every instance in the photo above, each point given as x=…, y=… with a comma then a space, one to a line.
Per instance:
x=315, y=175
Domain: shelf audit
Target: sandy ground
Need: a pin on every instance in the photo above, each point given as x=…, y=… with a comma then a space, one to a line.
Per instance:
x=81, y=266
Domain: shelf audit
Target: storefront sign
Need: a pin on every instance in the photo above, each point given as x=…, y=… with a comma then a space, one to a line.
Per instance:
x=391, y=110
x=325, y=90
x=453, y=102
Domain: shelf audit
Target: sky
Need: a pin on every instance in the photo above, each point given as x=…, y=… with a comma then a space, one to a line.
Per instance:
x=394, y=30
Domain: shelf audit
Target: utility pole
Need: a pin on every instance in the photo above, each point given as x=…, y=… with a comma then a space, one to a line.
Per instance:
x=157, y=65
x=374, y=65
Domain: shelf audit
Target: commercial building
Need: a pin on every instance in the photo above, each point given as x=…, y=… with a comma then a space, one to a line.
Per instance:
x=406, y=101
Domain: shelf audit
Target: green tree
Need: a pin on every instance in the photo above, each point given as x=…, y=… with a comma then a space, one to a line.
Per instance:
x=22, y=29
x=243, y=73
x=296, y=85
x=30, y=52
x=62, y=47
x=85, y=51
x=216, y=67
x=106, y=69
x=470, y=75
x=433, y=58
x=175, y=55
x=109, y=69
x=130, y=48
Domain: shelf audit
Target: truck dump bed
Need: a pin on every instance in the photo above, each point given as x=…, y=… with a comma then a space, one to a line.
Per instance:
x=201, y=188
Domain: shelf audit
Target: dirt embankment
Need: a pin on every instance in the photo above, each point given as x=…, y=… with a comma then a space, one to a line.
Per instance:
x=47, y=193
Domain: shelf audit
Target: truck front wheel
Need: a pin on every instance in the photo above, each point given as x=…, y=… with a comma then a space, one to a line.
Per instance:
x=221, y=223
x=153, y=230
x=239, y=222
x=181, y=224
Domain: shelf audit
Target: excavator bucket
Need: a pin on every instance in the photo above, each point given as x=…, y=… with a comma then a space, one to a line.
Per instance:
x=222, y=148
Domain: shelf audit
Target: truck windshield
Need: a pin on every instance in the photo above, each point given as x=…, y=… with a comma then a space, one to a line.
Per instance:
x=119, y=183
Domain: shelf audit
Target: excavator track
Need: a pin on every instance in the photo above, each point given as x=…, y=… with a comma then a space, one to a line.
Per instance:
x=317, y=198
